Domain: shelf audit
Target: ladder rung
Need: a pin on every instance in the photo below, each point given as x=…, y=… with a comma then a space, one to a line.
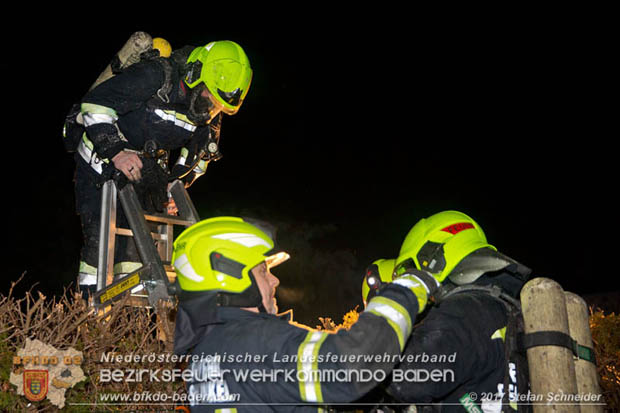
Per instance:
x=129, y=233
x=170, y=272
x=168, y=219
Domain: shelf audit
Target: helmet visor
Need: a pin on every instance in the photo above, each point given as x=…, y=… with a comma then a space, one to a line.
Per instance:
x=203, y=105
x=403, y=267
x=230, y=81
x=232, y=98
x=276, y=259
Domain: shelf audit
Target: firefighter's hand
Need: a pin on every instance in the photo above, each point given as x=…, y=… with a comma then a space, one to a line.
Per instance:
x=129, y=164
x=171, y=206
x=198, y=143
x=422, y=283
x=152, y=188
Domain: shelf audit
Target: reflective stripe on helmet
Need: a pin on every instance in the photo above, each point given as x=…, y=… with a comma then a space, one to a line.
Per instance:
x=395, y=314
x=308, y=366
x=247, y=240
x=182, y=265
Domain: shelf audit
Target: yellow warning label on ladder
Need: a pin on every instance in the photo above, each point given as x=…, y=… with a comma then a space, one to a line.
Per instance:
x=114, y=291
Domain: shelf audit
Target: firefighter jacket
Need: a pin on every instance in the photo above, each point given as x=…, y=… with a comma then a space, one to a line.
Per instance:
x=259, y=362
x=455, y=358
x=147, y=101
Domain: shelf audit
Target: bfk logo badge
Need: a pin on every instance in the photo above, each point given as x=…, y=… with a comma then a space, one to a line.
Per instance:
x=35, y=384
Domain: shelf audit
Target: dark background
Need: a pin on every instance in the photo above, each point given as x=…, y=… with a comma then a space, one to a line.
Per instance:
x=346, y=139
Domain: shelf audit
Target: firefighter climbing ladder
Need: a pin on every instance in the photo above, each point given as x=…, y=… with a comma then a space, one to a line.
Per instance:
x=154, y=248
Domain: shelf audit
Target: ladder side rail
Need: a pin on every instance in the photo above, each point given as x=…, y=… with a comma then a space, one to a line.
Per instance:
x=107, y=235
x=157, y=287
x=184, y=204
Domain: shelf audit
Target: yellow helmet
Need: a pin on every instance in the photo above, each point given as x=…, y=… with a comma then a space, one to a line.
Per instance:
x=220, y=70
x=380, y=270
x=438, y=243
x=162, y=46
x=216, y=255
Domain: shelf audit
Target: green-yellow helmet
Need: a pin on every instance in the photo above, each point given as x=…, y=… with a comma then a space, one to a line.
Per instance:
x=438, y=243
x=217, y=254
x=224, y=68
x=381, y=269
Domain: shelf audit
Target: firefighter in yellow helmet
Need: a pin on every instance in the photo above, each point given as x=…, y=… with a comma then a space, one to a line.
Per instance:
x=463, y=334
x=127, y=127
x=226, y=318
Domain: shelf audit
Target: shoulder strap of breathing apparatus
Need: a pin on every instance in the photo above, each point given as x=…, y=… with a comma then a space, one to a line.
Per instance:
x=516, y=372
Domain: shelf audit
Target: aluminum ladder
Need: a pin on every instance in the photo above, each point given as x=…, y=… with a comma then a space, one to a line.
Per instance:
x=154, y=248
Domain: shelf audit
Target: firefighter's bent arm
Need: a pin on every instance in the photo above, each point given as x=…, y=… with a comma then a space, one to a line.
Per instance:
x=342, y=367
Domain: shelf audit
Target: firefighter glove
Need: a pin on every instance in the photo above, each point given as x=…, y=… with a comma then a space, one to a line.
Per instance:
x=198, y=143
x=152, y=189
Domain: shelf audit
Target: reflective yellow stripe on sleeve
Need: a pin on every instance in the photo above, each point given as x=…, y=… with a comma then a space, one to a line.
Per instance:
x=419, y=289
x=308, y=366
x=91, y=108
x=395, y=314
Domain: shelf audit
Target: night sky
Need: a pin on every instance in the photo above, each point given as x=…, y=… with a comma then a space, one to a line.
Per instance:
x=345, y=140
